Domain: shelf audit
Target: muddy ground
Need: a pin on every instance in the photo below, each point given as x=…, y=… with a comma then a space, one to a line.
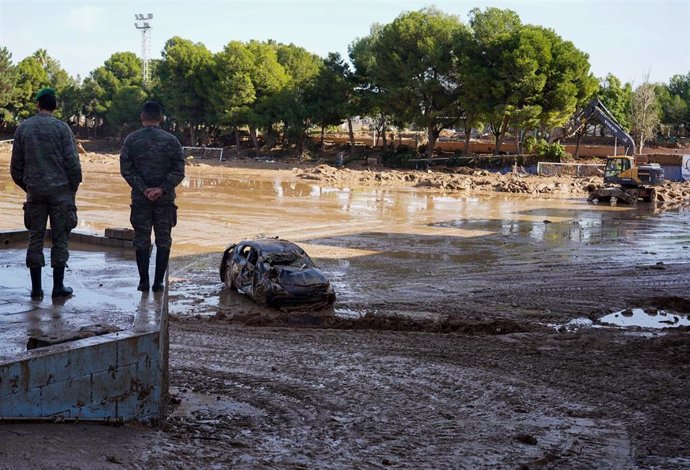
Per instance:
x=466, y=332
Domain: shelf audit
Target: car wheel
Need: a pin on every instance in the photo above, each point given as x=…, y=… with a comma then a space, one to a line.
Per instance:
x=224, y=266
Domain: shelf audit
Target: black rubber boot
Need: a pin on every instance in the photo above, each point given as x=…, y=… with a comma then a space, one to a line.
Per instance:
x=162, y=255
x=143, y=266
x=36, y=289
x=59, y=289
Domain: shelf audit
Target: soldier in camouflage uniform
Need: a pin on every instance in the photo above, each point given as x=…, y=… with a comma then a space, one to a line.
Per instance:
x=152, y=164
x=45, y=164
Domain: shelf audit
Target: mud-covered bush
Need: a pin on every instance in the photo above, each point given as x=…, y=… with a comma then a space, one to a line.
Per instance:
x=544, y=150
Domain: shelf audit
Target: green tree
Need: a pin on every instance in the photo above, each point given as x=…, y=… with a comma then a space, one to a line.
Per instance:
x=120, y=70
x=411, y=66
x=187, y=80
x=511, y=64
x=469, y=75
x=125, y=110
x=8, y=80
x=234, y=90
x=569, y=83
x=673, y=109
x=520, y=76
x=329, y=96
x=674, y=99
x=371, y=96
x=31, y=77
x=293, y=104
x=59, y=79
x=72, y=102
x=617, y=98
x=269, y=77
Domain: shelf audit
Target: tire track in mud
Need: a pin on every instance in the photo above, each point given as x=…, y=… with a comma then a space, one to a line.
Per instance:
x=334, y=399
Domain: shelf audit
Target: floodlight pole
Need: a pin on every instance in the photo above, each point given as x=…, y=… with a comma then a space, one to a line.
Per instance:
x=143, y=24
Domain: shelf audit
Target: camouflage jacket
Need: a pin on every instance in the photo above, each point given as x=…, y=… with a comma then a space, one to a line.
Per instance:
x=44, y=156
x=152, y=158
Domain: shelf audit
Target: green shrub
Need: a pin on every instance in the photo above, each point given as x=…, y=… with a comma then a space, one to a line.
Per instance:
x=544, y=150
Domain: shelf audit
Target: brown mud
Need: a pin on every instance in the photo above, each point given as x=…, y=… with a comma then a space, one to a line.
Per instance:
x=455, y=340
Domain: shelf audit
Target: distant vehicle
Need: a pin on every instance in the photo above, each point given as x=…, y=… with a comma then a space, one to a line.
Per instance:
x=275, y=272
x=638, y=181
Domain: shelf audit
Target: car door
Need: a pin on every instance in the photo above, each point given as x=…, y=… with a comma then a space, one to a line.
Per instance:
x=247, y=260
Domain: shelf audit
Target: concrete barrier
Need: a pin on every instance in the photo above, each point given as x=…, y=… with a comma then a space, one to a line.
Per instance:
x=114, y=377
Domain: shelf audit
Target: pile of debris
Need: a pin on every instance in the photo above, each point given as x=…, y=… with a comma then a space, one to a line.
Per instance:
x=469, y=179
x=538, y=185
x=457, y=179
x=672, y=192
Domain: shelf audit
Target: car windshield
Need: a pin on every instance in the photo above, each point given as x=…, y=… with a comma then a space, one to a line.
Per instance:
x=288, y=258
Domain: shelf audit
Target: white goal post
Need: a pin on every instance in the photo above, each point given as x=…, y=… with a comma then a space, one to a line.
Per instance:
x=569, y=169
x=203, y=152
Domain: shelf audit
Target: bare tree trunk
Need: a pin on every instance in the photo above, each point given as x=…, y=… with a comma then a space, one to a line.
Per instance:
x=323, y=130
x=577, y=144
x=300, y=146
x=432, y=134
x=468, y=135
x=500, y=134
x=192, y=135
x=237, y=140
x=352, y=134
x=641, y=142
x=517, y=141
x=252, y=132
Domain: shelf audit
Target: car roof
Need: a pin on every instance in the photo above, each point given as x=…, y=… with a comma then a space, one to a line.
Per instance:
x=272, y=245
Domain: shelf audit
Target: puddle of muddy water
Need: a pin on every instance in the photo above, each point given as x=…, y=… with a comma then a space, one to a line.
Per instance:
x=200, y=404
x=396, y=249
x=630, y=318
x=645, y=319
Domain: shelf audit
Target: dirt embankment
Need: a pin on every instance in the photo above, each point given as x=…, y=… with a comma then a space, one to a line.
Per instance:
x=470, y=180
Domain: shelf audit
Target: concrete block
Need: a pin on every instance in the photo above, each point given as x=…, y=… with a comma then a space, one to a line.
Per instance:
x=12, y=379
x=48, y=369
x=139, y=349
x=21, y=404
x=143, y=404
x=93, y=358
x=115, y=384
x=120, y=233
x=103, y=409
x=72, y=394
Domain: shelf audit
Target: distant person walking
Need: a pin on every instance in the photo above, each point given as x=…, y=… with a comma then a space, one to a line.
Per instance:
x=45, y=164
x=152, y=164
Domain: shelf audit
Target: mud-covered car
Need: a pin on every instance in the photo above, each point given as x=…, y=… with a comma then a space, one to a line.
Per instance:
x=275, y=272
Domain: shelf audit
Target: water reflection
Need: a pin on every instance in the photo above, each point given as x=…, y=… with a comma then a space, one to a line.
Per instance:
x=646, y=319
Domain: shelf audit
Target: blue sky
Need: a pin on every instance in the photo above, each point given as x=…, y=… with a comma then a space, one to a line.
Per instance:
x=631, y=39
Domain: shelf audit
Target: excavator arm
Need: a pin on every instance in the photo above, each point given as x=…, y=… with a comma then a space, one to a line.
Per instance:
x=595, y=109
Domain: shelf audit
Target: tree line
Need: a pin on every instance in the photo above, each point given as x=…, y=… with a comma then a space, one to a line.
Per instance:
x=425, y=70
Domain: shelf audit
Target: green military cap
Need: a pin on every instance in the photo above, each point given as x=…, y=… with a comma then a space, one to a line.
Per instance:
x=43, y=92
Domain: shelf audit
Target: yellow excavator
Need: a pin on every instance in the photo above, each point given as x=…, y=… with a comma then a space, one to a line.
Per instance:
x=637, y=181
x=634, y=181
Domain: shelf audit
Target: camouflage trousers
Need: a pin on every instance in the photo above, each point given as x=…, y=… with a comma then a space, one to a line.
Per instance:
x=159, y=215
x=62, y=211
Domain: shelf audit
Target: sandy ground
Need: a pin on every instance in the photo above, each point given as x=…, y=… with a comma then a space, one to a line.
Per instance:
x=466, y=333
